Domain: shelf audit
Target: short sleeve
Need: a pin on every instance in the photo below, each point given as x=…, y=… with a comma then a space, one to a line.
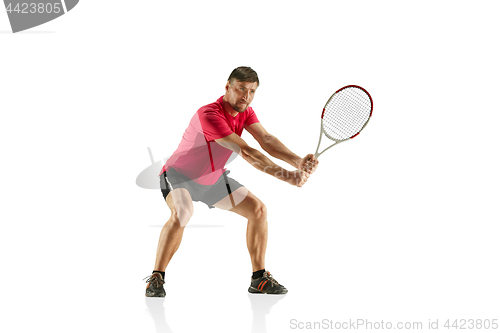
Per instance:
x=251, y=118
x=213, y=124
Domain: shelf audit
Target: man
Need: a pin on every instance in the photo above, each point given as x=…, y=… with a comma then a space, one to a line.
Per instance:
x=195, y=172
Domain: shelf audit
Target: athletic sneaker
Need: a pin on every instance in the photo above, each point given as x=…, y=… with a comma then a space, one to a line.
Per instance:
x=266, y=285
x=155, y=285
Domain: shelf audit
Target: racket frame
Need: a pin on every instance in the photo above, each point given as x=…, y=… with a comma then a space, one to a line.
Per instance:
x=323, y=113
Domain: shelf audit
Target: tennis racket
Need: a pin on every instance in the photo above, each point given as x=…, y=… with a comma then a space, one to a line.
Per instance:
x=345, y=115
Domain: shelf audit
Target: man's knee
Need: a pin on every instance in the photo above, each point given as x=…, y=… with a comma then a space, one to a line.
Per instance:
x=259, y=210
x=182, y=215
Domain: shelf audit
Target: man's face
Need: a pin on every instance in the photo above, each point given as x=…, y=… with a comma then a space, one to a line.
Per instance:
x=240, y=94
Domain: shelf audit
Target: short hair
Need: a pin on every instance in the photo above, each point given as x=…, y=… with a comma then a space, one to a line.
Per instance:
x=243, y=74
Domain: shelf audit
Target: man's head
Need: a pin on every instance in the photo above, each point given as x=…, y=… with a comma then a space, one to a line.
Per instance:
x=240, y=88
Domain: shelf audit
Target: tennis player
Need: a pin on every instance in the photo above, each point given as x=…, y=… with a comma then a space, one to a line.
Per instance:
x=195, y=172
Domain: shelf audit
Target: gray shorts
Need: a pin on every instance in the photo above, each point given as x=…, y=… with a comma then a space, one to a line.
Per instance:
x=208, y=194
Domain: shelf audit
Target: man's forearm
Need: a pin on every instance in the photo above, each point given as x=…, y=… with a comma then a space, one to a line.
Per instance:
x=264, y=164
x=276, y=149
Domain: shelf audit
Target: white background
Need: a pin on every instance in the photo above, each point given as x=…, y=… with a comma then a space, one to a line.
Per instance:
x=400, y=224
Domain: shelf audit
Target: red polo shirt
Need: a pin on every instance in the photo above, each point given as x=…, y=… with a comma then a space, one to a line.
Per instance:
x=198, y=156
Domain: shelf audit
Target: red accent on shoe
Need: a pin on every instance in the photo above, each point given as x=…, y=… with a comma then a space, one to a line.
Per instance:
x=262, y=287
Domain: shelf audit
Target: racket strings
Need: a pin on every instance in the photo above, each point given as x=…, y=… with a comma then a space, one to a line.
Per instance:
x=346, y=113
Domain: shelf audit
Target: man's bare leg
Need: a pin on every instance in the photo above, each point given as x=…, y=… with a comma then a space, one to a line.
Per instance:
x=249, y=206
x=244, y=203
x=180, y=203
x=181, y=206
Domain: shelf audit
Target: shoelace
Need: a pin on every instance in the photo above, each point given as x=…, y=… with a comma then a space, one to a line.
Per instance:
x=270, y=277
x=154, y=280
